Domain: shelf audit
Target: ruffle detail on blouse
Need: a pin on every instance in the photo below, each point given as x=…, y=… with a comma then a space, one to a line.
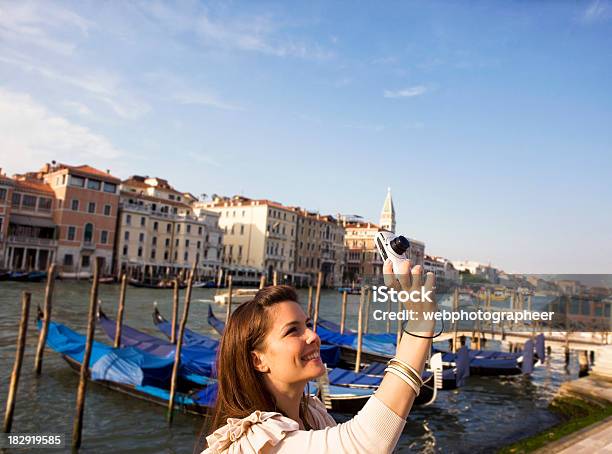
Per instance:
x=250, y=434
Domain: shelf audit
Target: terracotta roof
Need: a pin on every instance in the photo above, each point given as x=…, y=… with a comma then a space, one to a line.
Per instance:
x=88, y=170
x=33, y=185
x=361, y=225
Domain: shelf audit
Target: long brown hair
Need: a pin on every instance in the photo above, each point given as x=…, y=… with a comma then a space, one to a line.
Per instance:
x=241, y=388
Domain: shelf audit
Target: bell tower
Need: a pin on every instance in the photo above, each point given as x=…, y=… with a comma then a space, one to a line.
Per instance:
x=387, y=215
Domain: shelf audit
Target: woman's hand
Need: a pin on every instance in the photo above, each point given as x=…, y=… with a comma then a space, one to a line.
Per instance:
x=410, y=279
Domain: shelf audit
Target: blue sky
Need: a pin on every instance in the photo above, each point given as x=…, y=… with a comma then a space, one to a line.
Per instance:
x=491, y=121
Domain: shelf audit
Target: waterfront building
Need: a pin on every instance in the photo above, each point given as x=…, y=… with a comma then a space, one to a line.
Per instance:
x=319, y=246
x=85, y=212
x=161, y=234
x=442, y=268
x=258, y=237
x=27, y=228
x=477, y=269
x=362, y=258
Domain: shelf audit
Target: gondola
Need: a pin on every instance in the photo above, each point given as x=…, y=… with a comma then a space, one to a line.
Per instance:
x=26, y=276
x=129, y=371
x=382, y=345
x=159, y=285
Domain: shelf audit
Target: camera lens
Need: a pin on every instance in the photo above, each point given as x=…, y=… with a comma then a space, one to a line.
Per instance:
x=399, y=244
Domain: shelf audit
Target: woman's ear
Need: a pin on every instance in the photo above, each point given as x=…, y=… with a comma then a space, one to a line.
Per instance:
x=259, y=362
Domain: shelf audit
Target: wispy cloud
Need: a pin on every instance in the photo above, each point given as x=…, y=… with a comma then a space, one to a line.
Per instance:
x=597, y=10
x=103, y=86
x=409, y=92
x=29, y=23
x=182, y=92
x=31, y=134
x=262, y=34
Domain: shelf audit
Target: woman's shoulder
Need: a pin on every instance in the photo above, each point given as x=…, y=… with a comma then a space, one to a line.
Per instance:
x=317, y=409
x=250, y=434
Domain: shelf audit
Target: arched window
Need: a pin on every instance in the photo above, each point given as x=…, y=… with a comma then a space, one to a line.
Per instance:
x=88, y=233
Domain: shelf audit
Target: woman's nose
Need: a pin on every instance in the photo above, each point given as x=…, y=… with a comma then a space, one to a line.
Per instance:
x=311, y=336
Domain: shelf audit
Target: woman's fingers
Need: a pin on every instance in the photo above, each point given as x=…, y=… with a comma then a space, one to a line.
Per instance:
x=404, y=276
x=417, y=277
x=390, y=279
x=430, y=281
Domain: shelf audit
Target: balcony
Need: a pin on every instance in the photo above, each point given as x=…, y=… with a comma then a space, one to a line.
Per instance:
x=31, y=241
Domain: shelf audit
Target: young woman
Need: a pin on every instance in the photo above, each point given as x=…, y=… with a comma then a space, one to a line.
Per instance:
x=269, y=353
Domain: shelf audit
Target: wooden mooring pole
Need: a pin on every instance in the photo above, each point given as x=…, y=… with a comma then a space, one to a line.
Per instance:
x=77, y=426
x=309, y=309
x=21, y=342
x=42, y=337
x=179, y=345
x=229, y=299
x=175, y=308
x=120, y=310
x=275, y=278
x=362, y=297
x=367, y=311
x=343, y=314
x=262, y=281
x=317, y=301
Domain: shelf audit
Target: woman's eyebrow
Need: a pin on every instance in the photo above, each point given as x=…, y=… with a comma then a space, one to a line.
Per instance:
x=295, y=322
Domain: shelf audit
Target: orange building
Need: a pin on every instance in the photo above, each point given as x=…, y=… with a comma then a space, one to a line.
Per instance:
x=87, y=200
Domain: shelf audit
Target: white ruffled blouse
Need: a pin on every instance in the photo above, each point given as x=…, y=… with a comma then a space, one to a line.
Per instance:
x=375, y=429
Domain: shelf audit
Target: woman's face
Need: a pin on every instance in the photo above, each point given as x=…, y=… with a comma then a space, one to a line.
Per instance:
x=291, y=350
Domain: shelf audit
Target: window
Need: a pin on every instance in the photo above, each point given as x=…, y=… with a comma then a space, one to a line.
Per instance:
x=200, y=230
x=140, y=252
x=128, y=219
x=107, y=210
x=28, y=202
x=155, y=225
x=186, y=256
x=94, y=184
x=178, y=228
x=142, y=221
x=167, y=242
x=68, y=260
x=166, y=255
x=91, y=207
x=176, y=243
x=85, y=261
x=88, y=233
x=110, y=188
x=141, y=237
x=103, y=237
x=242, y=230
x=199, y=244
x=44, y=204
x=125, y=250
x=75, y=205
x=71, y=233
x=77, y=181
x=126, y=236
x=168, y=227
x=239, y=251
x=186, y=243
x=153, y=254
x=16, y=200
x=2, y=194
x=154, y=241
x=188, y=228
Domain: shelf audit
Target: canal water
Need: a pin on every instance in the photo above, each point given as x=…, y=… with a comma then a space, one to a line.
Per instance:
x=486, y=413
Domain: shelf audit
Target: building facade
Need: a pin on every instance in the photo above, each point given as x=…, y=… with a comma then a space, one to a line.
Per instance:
x=161, y=234
x=319, y=246
x=258, y=237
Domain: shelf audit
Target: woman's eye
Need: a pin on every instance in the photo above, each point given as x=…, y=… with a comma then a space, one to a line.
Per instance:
x=308, y=324
x=290, y=330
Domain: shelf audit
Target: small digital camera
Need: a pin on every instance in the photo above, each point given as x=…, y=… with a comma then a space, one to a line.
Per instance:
x=392, y=247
